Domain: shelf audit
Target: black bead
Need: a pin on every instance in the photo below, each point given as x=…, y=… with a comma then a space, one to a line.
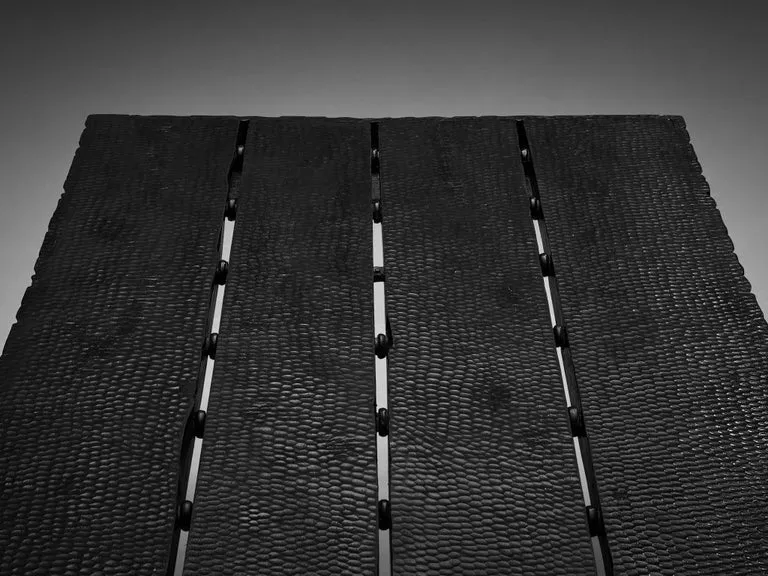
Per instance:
x=382, y=422
x=198, y=422
x=385, y=515
x=209, y=345
x=220, y=277
x=184, y=515
x=378, y=274
x=594, y=520
x=377, y=211
x=576, y=418
x=382, y=345
x=561, y=336
x=547, y=266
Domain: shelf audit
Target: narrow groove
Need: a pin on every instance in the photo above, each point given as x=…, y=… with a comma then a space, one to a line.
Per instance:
x=192, y=441
x=384, y=567
x=587, y=477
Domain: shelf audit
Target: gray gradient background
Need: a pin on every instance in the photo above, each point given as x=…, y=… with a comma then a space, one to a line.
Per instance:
x=60, y=62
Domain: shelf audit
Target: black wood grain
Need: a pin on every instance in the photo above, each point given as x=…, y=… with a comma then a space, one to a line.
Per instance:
x=288, y=473
x=483, y=474
x=98, y=374
x=669, y=345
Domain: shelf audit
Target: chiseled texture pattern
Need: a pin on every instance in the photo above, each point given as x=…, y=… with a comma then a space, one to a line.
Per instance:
x=669, y=345
x=98, y=374
x=483, y=473
x=287, y=479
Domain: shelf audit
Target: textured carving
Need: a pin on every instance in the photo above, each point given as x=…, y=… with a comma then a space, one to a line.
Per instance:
x=98, y=375
x=483, y=474
x=670, y=347
x=287, y=479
